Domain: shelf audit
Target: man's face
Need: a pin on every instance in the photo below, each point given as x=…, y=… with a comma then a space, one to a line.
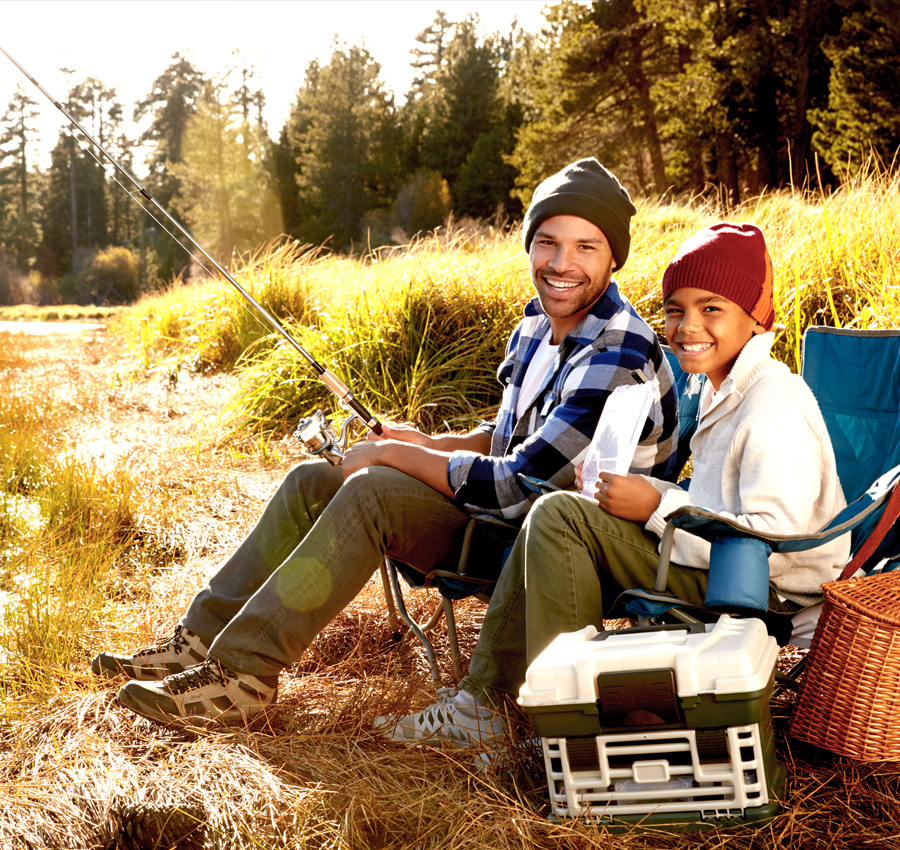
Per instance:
x=571, y=266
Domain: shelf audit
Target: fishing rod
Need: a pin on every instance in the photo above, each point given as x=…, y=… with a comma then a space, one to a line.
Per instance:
x=313, y=431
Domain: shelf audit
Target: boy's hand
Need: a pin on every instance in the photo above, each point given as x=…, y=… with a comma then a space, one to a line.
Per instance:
x=579, y=484
x=629, y=496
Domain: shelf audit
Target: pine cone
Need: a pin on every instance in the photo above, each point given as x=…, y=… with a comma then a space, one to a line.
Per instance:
x=144, y=826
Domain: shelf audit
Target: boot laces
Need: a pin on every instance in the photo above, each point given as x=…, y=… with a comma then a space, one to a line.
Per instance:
x=208, y=673
x=176, y=642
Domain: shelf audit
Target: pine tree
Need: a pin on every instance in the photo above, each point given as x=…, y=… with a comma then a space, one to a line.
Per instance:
x=75, y=214
x=862, y=117
x=591, y=93
x=748, y=73
x=345, y=138
x=466, y=128
x=18, y=206
x=223, y=185
x=170, y=104
x=429, y=59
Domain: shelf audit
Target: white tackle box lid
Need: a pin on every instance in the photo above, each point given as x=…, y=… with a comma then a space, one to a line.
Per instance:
x=731, y=656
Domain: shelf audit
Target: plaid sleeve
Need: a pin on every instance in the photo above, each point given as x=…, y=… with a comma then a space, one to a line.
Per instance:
x=569, y=416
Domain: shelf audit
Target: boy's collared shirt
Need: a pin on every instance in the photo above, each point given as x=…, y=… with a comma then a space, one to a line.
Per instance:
x=552, y=436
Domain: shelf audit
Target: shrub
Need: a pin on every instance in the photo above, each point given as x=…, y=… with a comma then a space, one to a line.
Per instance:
x=113, y=275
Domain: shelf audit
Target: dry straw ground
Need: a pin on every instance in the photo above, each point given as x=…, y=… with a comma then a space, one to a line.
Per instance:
x=79, y=772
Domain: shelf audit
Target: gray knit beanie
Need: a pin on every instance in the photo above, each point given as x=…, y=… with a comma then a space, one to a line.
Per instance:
x=585, y=189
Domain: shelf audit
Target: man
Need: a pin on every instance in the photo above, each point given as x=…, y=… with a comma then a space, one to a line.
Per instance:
x=408, y=495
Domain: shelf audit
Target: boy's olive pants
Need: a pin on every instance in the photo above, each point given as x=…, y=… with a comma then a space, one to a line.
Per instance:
x=569, y=564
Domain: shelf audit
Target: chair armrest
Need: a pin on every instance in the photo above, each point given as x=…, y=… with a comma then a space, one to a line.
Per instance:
x=738, y=563
x=537, y=485
x=709, y=526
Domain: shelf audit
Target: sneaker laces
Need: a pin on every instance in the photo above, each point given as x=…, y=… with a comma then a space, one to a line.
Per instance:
x=452, y=698
x=176, y=642
x=207, y=673
x=447, y=696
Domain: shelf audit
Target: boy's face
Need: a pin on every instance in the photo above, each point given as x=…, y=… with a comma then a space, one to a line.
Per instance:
x=707, y=332
x=571, y=265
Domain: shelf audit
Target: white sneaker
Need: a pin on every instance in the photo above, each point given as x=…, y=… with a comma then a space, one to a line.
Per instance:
x=450, y=719
x=208, y=691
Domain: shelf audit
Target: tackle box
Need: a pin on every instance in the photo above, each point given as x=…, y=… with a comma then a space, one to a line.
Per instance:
x=658, y=727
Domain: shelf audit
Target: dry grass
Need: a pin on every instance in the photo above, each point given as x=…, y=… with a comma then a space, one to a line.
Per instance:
x=76, y=771
x=82, y=773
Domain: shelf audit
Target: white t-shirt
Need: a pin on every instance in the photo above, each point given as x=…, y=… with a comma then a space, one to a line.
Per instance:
x=537, y=370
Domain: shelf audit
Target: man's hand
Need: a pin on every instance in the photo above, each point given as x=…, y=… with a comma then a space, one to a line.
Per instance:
x=627, y=496
x=403, y=433
x=362, y=455
x=409, y=450
x=426, y=464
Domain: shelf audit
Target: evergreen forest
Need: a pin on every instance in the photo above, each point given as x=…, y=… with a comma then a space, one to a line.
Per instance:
x=711, y=99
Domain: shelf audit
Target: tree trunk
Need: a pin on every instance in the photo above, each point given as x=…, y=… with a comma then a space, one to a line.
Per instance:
x=801, y=134
x=727, y=172
x=73, y=201
x=647, y=112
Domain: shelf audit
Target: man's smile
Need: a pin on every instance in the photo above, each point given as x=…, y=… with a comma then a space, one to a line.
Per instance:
x=561, y=283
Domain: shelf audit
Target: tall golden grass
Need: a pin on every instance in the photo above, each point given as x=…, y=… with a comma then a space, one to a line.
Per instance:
x=417, y=333
x=835, y=255
x=65, y=531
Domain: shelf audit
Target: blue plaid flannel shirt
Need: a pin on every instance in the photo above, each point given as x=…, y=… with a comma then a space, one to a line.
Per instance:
x=553, y=435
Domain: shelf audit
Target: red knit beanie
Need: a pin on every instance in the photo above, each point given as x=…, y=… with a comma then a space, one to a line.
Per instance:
x=730, y=260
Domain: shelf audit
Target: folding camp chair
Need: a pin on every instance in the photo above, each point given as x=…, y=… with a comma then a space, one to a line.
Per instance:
x=855, y=376
x=476, y=573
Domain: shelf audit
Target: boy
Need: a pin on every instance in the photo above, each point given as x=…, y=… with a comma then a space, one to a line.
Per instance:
x=761, y=456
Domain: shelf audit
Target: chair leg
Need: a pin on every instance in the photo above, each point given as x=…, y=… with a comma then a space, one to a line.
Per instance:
x=415, y=627
x=451, y=634
x=433, y=620
x=393, y=619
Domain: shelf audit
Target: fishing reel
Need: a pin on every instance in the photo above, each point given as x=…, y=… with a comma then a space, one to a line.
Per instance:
x=317, y=435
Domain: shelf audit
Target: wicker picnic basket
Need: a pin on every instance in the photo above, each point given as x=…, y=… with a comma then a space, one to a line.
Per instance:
x=849, y=702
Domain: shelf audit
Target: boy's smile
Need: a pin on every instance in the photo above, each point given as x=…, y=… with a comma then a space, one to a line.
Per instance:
x=707, y=332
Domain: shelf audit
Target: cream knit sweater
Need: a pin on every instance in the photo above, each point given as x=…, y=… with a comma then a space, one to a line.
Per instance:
x=762, y=457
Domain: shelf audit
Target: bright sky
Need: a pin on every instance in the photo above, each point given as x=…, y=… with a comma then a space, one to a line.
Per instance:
x=127, y=44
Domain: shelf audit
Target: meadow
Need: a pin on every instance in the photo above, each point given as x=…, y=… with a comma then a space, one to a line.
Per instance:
x=133, y=460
